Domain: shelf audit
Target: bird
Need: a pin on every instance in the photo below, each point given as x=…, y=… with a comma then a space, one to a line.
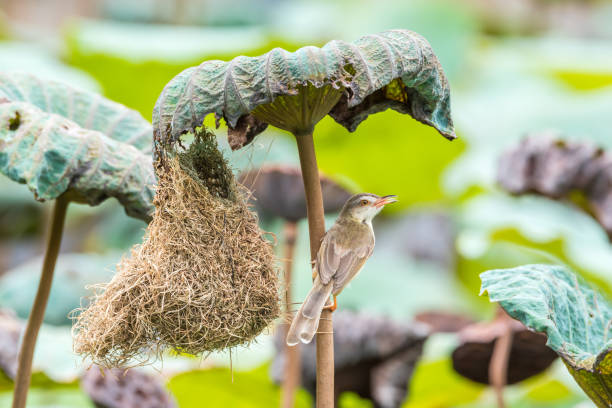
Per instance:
x=344, y=250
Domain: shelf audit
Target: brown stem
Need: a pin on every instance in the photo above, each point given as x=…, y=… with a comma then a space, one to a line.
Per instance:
x=316, y=229
x=498, y=367
x=291, y=379
x=312, y=189
x=26, y=352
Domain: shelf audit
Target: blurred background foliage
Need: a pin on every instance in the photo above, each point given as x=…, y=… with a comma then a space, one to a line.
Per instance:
x=515, y=67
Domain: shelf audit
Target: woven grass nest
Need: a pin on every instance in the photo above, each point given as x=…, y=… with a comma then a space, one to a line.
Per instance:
x=204, y=279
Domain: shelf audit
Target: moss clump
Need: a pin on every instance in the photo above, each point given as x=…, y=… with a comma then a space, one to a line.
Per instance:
x=205, y=163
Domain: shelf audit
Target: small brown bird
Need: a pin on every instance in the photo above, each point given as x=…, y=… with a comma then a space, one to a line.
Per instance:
x=343, y=252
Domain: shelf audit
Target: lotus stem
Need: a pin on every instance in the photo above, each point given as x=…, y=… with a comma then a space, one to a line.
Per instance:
x=291, y=379
x=26, y=352
x=498, y=367
x=316, y=229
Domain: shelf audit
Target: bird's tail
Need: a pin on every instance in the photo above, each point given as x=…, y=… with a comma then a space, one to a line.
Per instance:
x=306, y=320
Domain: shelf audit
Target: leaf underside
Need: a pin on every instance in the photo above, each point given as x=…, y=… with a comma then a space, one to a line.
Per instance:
x=577, y=320
x=59, y=140
x=394, y=69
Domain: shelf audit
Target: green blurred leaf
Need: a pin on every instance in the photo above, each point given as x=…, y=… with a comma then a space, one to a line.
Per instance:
x=553, y=300
x=450, y=27
x=135, y=73
x=388, y=154
x=589, y=69
x=51, y=398
x=34, y=58
x=435, y=385
x=502, y=254
x=113, y=231
x=73, y=272
x=161, y=42
x=584, y=81
x=549, y=391
x=39, y=380
x=3, y=26
x=545, y=390
x=516, y=77
x=530, y=229
x=219, y=387
x=57, y=139
x=352, y=400
x=55, y=363
x=20, y=215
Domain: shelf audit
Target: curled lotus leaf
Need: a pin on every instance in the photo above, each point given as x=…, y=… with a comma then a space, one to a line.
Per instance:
x=58, y=140
x=394, y=69
x=87, y=109
x=576, y=319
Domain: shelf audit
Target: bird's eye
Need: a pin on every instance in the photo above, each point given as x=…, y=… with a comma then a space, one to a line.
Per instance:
x=364, y=202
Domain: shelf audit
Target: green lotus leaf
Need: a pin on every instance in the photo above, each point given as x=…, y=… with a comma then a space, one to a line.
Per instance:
x=553, y=300
x=58, y=140
x=87, y=109
x=73, y=274
x=394, y=69
x=16, y=56
x=230, y=388
x=39, y=397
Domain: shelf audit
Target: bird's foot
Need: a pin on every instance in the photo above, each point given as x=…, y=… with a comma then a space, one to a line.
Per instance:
x=333, y=306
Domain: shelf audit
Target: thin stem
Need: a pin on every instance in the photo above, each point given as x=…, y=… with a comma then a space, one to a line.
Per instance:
x=26, y=352
x=325, y=361
x=312, y=189
x=316, y=229
x=291, y=379
x=498, y=367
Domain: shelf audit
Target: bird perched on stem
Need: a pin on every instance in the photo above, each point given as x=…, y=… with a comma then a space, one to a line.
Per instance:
x=343, y=252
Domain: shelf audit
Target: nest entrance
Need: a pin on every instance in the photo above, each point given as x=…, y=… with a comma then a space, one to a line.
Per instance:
x=204, y=278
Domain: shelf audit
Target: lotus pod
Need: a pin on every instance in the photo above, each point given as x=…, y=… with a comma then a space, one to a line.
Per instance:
x=375, y=357
x=116, y=388
x=279, y=190
x=546, y=165
x=528, y=354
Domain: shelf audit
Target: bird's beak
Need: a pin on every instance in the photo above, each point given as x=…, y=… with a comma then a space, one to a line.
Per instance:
x=388, y=199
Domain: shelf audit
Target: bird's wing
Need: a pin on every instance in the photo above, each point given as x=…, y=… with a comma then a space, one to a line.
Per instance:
x=340, y=262
x=353, y=265
x=328, y=258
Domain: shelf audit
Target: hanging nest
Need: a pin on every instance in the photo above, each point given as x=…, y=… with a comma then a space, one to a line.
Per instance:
x=203, y=280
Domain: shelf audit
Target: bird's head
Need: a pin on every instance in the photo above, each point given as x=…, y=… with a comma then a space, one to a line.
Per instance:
x=363, y=207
